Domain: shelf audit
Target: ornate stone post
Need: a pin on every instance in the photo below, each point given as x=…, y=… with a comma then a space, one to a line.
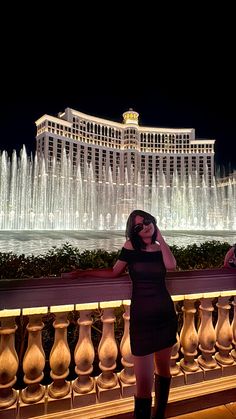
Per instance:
x=189, y=341
x=83, y=386
x=233, y=353
x=188, y=337
x=8, y=358
x=174, y=367
x=224, y=335
x=107, y=352
x=34, y=359
x=84, y=355
x=206, y=335
x=127, y=375
x=60, y=354
x=175, y=370
x=207, y=339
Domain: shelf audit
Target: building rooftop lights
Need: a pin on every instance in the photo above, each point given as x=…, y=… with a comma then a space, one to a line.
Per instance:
x=130, y=117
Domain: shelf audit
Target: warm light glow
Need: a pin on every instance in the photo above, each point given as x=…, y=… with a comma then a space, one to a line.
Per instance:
x=227, y=293
x=107, y=304
x=34, y=310
x=126, y=302
x=131, y=117
x=61, y=309
x=10, y=313
x=177, y=297
x=211, y=294
x=193, y=296
x=86, y=306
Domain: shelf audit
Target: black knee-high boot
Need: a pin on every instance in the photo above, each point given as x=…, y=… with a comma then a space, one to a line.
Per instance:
x=162, y=387
x=142, y=408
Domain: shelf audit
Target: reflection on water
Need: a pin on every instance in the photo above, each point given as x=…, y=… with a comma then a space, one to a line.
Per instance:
x=38, y=242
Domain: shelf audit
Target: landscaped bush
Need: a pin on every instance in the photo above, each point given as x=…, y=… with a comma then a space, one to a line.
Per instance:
x=207, y=255
x=67, y=258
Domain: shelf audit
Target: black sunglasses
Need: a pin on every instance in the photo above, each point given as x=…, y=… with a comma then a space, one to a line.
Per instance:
x=138, y=227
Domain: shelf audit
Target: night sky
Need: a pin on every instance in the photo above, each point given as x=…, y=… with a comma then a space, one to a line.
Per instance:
x=175, y=75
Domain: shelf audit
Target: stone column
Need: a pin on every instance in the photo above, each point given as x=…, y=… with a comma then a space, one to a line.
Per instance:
x=178, y=377
x=107, y=352
x=174, y=367
x=188, y=337
x=224, y=335
x=127, y=375
x=233, y=353
x=207, y=339
x=206, y=335
x=189, y=342
x=84, y=354
x=9, y=362
x=60, y=354
x=34, y=360
x=84, y=386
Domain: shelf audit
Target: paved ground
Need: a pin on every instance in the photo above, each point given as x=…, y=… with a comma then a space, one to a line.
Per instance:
x=227, y=411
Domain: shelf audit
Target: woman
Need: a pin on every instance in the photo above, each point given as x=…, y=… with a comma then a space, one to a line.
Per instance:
x=153, y=321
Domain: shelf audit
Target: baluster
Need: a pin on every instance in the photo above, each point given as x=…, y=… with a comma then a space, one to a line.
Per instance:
x=127, y=375
x=107, y=352
x=8, y=359
x=60, y=355
x=233, y=353
x=34, y=360
x=83, y=386
x=206, y=335
x=224, y=335
x=174, y=367
x=84, y=354
x=178, y=377
x=189, y=341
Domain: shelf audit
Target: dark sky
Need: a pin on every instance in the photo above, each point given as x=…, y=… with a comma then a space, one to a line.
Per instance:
x=175, y=73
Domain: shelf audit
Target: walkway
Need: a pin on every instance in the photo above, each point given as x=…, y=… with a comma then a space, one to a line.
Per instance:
x=227, y=411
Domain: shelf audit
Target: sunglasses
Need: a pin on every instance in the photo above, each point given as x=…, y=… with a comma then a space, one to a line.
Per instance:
x=139, y=227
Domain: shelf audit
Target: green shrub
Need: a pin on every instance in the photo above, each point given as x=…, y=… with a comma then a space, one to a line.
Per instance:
x=68, y=258
x=207, y=255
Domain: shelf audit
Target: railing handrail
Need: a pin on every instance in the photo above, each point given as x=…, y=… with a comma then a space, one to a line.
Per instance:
x=49, y=291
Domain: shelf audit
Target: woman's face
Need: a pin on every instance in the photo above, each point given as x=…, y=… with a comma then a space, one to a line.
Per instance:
x=143, y=226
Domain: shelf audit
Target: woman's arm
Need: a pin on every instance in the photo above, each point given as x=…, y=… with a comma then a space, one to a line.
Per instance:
x=114, y=272
x=229, y=255
x=168, y=257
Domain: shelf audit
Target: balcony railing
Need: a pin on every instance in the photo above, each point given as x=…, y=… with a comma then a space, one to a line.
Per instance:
x=203, y=361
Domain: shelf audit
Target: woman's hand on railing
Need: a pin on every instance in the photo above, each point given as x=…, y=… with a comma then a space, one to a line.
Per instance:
x=87, y=272
x=116, y=271
x=75, y=274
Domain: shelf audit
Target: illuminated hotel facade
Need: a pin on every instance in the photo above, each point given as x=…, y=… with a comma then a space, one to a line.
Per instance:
x=123, y=152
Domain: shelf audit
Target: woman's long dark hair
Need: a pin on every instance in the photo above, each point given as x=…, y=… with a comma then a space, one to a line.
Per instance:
x=130, y=234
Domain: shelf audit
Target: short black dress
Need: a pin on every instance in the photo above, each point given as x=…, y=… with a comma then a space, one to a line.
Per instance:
x=153, y=320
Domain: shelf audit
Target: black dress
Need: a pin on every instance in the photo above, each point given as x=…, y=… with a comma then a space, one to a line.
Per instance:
x=153, y=320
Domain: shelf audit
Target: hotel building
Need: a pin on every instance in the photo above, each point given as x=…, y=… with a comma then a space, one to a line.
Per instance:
x=124, y=150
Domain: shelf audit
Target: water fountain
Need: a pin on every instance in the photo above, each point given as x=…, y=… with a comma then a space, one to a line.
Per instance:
x=32, y=198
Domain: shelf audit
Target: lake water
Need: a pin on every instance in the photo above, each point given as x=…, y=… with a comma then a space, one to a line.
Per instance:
x=38, y=242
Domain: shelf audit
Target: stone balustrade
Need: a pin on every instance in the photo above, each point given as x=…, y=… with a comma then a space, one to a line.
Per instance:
x=204, y=356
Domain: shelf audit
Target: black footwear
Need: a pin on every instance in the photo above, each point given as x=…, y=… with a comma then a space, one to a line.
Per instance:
x=162, y=387
x=142, y=408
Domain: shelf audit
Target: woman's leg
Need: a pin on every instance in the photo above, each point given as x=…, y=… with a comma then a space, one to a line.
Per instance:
x=162, y=382
x=144, y=369
x=162, y=362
